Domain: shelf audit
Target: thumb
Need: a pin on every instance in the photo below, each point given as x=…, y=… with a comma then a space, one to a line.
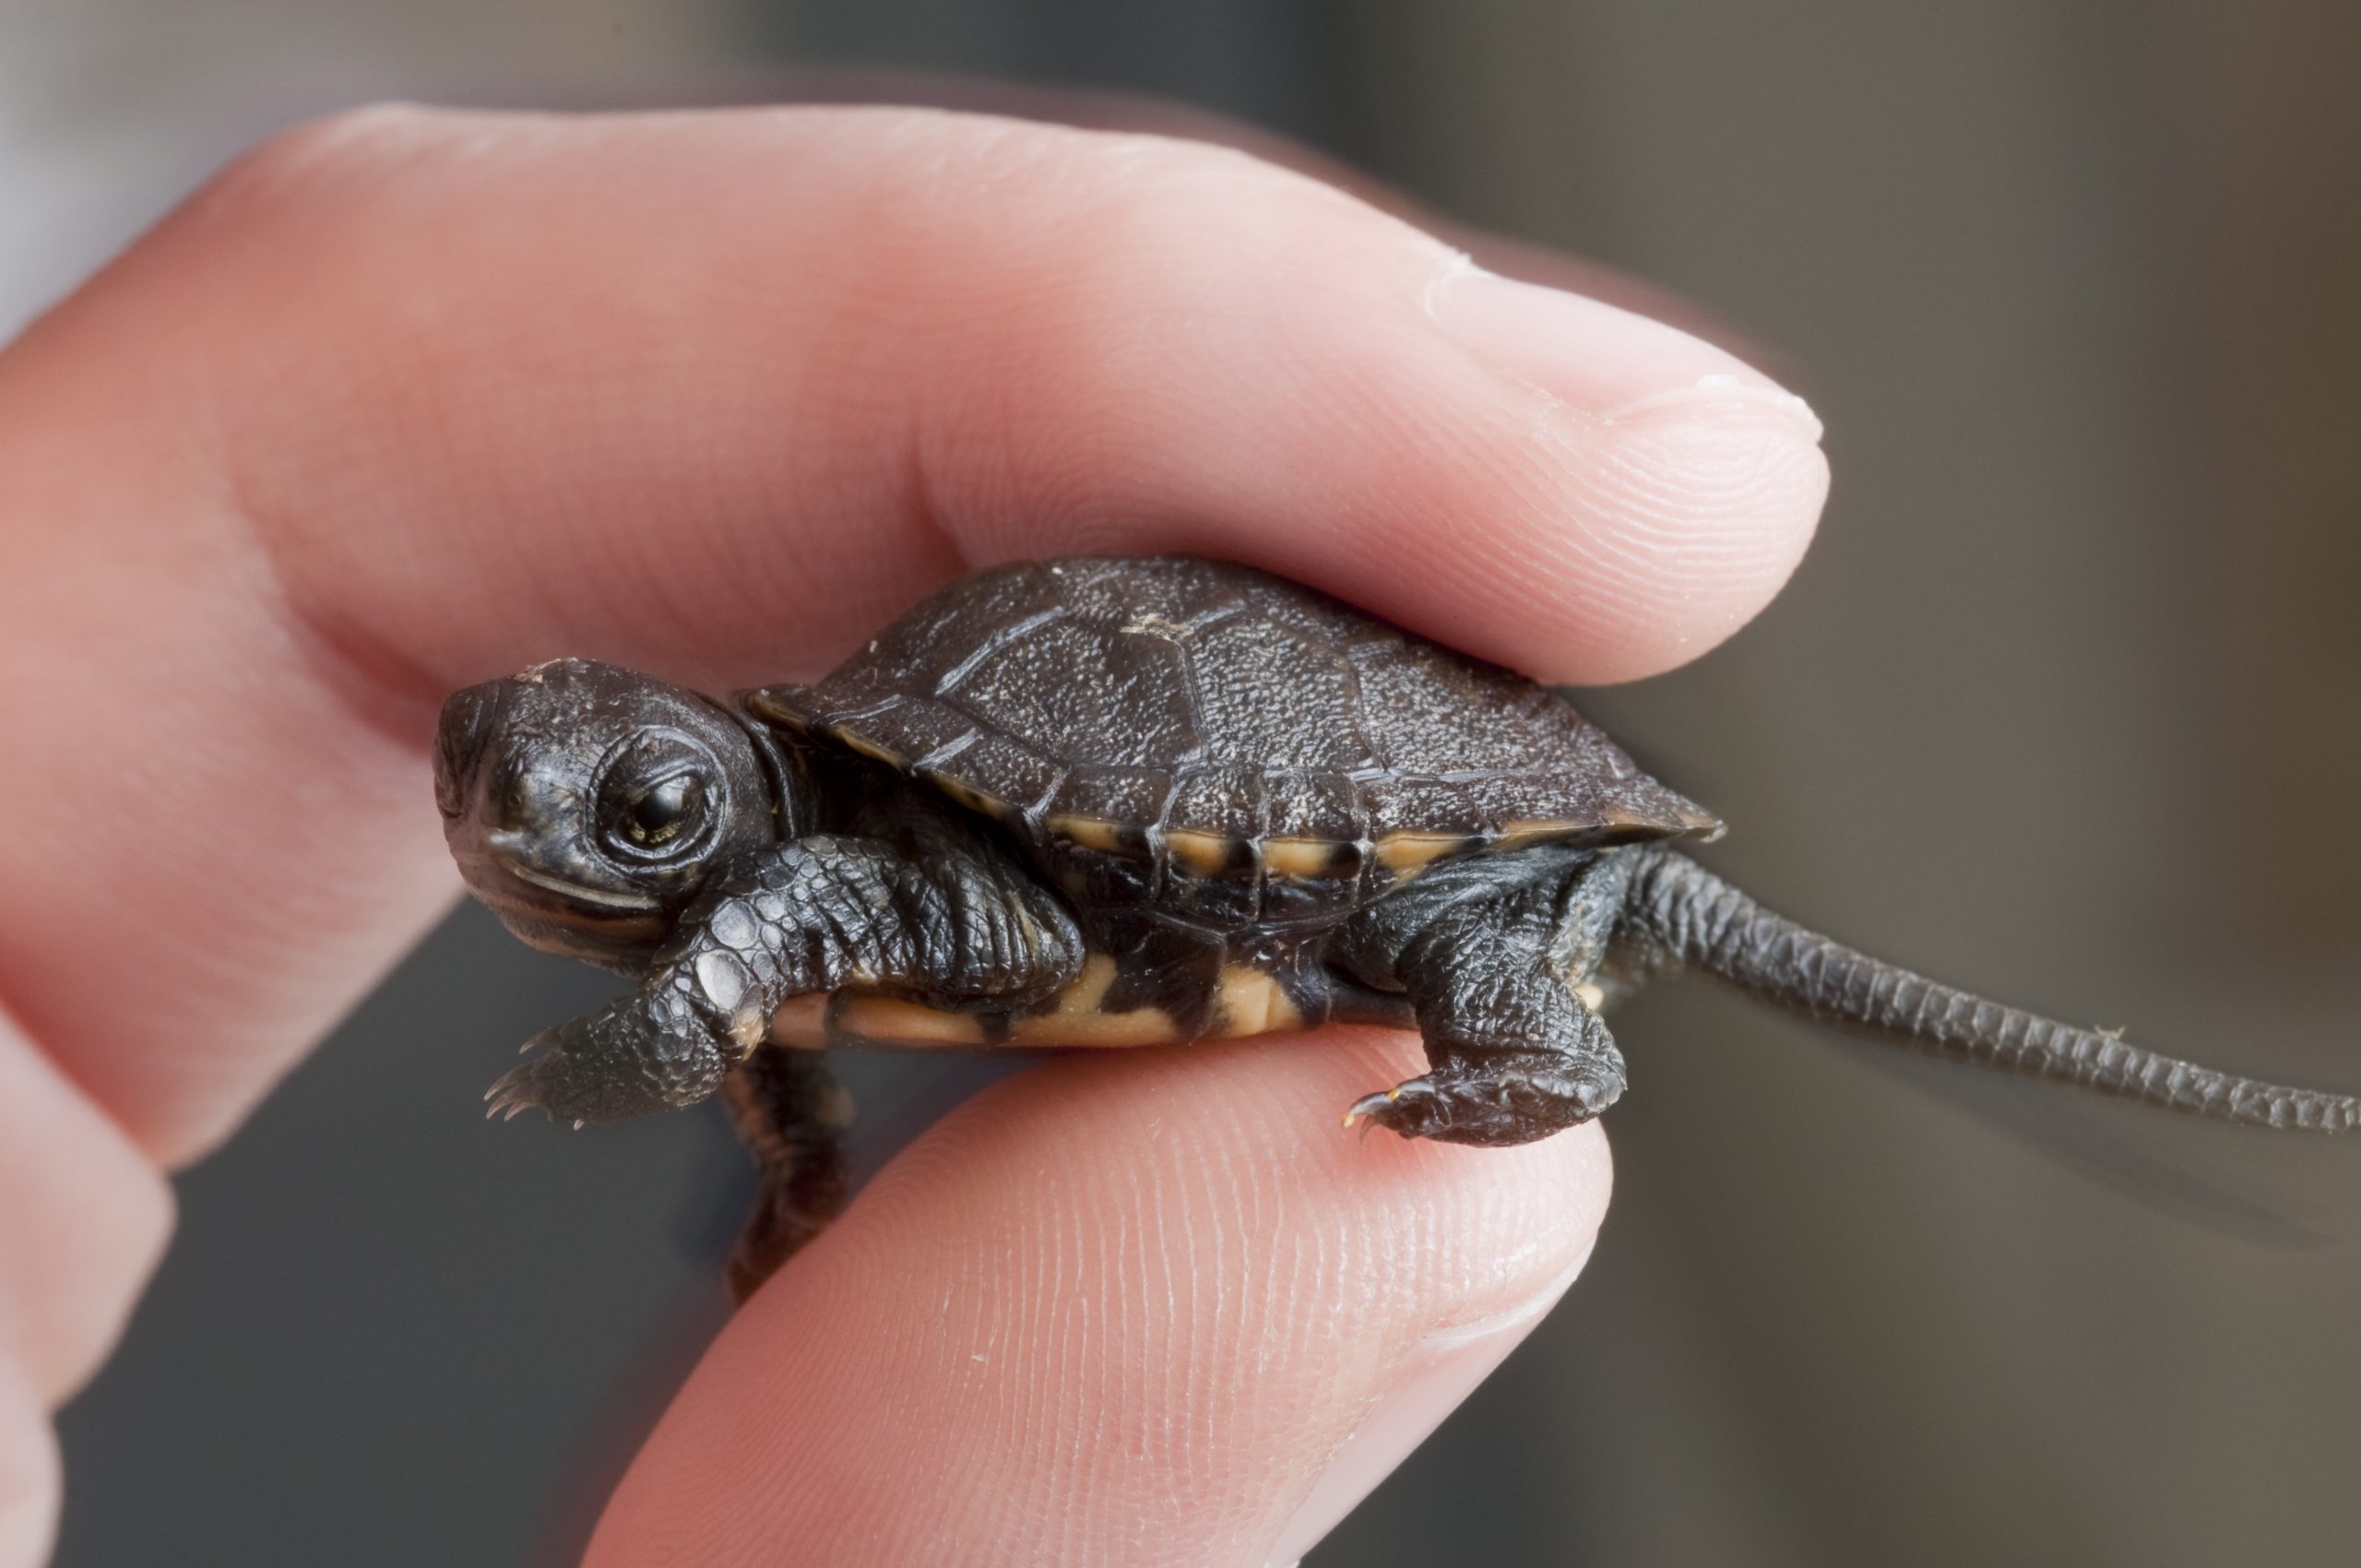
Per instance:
x=1159, y=1309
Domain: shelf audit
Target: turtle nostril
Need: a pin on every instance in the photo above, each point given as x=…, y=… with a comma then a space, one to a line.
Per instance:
x=460, y=737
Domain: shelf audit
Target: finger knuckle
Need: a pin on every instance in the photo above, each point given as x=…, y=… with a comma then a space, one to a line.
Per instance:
x=1215, y=212
x=1147, y=215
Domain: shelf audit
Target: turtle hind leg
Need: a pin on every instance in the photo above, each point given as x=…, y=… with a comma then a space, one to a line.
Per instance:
x=1489, y=952
x=789, y=1111
x=1497, y=1095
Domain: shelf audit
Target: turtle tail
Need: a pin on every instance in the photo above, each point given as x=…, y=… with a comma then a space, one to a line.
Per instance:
x=1678, y=914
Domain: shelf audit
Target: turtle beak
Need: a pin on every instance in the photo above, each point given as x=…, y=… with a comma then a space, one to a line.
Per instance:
x=514, y=852
x=550, y=905
x=469, y=717
x=583, y=891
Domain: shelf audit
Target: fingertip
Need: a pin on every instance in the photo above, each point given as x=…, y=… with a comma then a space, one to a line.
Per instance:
x=1715, y=499
x=1671, y=489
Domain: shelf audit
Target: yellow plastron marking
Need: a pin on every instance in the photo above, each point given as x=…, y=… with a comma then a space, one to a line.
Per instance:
x=853, y=1017
x=1080, y=1016
x=1252, y=1002
x=891, y=1019
x=801, y=1022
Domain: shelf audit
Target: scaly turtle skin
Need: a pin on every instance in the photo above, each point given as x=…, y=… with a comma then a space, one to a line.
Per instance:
x=1113, y=802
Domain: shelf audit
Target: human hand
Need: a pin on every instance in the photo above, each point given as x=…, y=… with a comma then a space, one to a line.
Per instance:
x=411, y=398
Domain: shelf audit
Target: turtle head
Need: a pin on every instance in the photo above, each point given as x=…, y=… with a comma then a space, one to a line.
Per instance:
x=586, y=805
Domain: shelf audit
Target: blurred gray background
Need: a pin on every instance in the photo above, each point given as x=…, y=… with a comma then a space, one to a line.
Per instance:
x=2063, y=702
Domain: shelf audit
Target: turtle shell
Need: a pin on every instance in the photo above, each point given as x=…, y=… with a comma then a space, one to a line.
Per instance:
x=1213, y=724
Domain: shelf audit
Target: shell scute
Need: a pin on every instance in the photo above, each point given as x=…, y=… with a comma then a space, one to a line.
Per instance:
x=1007, y=769
x=915, y=731
x=1223, y=800
x=1240, y=725
x=1312, y=803
x=1131, y=714
x=1135, y=795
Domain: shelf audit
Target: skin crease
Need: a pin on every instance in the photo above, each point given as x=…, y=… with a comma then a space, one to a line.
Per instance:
x=407, y=398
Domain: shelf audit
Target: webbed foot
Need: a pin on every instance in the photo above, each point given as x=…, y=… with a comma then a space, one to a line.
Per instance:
x=635, y=1056
x=1495, y=1100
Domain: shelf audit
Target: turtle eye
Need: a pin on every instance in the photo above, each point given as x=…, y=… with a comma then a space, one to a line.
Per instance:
x=664, y=811
x=656, y=799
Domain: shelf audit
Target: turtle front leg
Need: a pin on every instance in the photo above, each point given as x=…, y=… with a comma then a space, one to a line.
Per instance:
x=789, y=920
x=1492, y=951
x=656, y=1051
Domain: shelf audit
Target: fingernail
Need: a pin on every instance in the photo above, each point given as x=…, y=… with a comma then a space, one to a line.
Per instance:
x=1608, y=362
x=1428, y=1385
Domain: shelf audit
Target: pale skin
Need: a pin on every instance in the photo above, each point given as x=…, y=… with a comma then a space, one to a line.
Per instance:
x=409, y=399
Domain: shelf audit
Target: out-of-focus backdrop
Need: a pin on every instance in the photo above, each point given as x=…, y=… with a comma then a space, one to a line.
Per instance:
x=2063, y=702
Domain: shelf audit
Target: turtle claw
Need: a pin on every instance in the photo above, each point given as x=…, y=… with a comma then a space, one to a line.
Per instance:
x=1368, y=1111
x=549, y=1081
x=512, y=1092
x=1510, y=1104
x=1405, y=1108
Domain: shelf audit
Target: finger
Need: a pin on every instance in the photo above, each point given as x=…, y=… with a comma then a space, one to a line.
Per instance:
x=28, y=1479
x=82, y=1212
x=83, y=1217
x=897, y=337
x=1159, y=1310
x=415, y=396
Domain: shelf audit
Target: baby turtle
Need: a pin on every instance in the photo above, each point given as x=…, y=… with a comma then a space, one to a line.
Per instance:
x=1116, y=802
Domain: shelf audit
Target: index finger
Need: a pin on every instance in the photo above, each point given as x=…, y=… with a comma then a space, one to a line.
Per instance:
x=413, y=398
